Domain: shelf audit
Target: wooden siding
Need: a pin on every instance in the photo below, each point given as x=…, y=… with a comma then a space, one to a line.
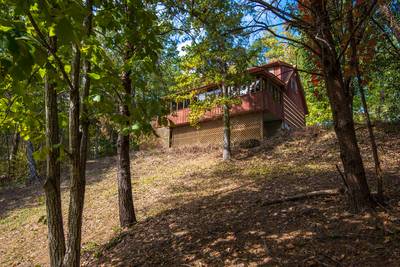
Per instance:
x=294, y=93
x=244, y=127
x=293, y=115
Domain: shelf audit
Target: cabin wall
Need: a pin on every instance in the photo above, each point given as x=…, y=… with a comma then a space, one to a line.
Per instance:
x=244, y=127
x=293, y=91
x=293, y=115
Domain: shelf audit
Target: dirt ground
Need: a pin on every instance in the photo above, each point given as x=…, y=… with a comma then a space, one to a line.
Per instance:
x=195, y=210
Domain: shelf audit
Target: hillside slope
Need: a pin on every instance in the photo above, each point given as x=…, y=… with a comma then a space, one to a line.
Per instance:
x=195, y=210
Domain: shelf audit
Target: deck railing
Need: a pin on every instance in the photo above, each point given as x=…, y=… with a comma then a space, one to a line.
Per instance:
x=252, y=102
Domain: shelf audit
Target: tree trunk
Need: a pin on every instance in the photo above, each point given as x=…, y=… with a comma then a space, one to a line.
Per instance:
x=85, y=93
x=349, y=150
x=77, y=178
x=13, y=155
x=226, y=153
x=96, y=143
x=126, y=209
x=52, y=184
x=380, y=105
x=378, y=170
x=340, y=99
x=33, y=174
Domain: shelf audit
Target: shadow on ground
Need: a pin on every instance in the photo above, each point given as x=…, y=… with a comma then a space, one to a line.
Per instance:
x=13, y=198
x=235, y=228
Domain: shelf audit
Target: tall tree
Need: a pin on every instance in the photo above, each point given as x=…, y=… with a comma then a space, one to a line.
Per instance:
x=328, y=41
x=52, y=183
x=217, y=54
x=13, y=154
x=127, y=215
x=135, y=34
x=77, y=143
x=61, y=22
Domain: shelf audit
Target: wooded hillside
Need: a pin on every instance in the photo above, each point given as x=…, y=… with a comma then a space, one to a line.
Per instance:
x=205, y=211
x=84, y=86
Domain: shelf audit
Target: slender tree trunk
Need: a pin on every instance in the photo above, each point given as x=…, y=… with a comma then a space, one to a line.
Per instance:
x=7, y=142
x=96, y=143
x=126, y=209
x=85, y=93
x=374, y=147
x=33, y=174
x=354, y=63
x=340, y=99
x=15, y=145
x=226, y=153
x=52, y=184
x=380, y=105
x=78, y=146
x=13, y=155
x=77, y=179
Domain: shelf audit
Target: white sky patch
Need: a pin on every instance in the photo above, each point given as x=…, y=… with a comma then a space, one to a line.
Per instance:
x=181, y=47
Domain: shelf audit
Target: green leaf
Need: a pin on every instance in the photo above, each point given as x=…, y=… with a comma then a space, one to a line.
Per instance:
x=42, y=72
x=97, y=98
x=94, y=76
x=65, y=31
x=34, y=7
x=52, y=30
x=135, y=127
x=67, y=68
x=5, y=28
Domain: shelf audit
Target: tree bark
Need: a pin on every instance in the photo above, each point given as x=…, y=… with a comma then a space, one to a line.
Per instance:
x=374, y=147
x=13, y=155
x=33, y=174
x=77, y=178
x=52, y=189
x=349, y=150
x=127, y=215
x=340, y=99
x=355, y=65
x=85, y=93
x=226, y=153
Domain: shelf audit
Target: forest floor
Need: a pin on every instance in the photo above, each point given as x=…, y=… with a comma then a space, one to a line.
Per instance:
x=195, y=210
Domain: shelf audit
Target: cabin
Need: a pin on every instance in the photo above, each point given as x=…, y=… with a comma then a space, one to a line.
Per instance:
x=273, y=100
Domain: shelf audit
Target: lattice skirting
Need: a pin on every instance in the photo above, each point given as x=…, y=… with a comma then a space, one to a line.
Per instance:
x=249, y=126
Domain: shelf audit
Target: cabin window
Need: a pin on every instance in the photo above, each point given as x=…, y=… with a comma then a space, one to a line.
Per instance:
x=255, y=86
x=186, y=103
x=243, y=90
x=264, y=84
x=258, y=85
x=213, y=92
x=173, y=106
x=201, y=97
x=180, y=105
x=275, y=92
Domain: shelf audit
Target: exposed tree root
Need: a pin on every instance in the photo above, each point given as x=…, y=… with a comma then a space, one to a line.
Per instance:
x=327, y=192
